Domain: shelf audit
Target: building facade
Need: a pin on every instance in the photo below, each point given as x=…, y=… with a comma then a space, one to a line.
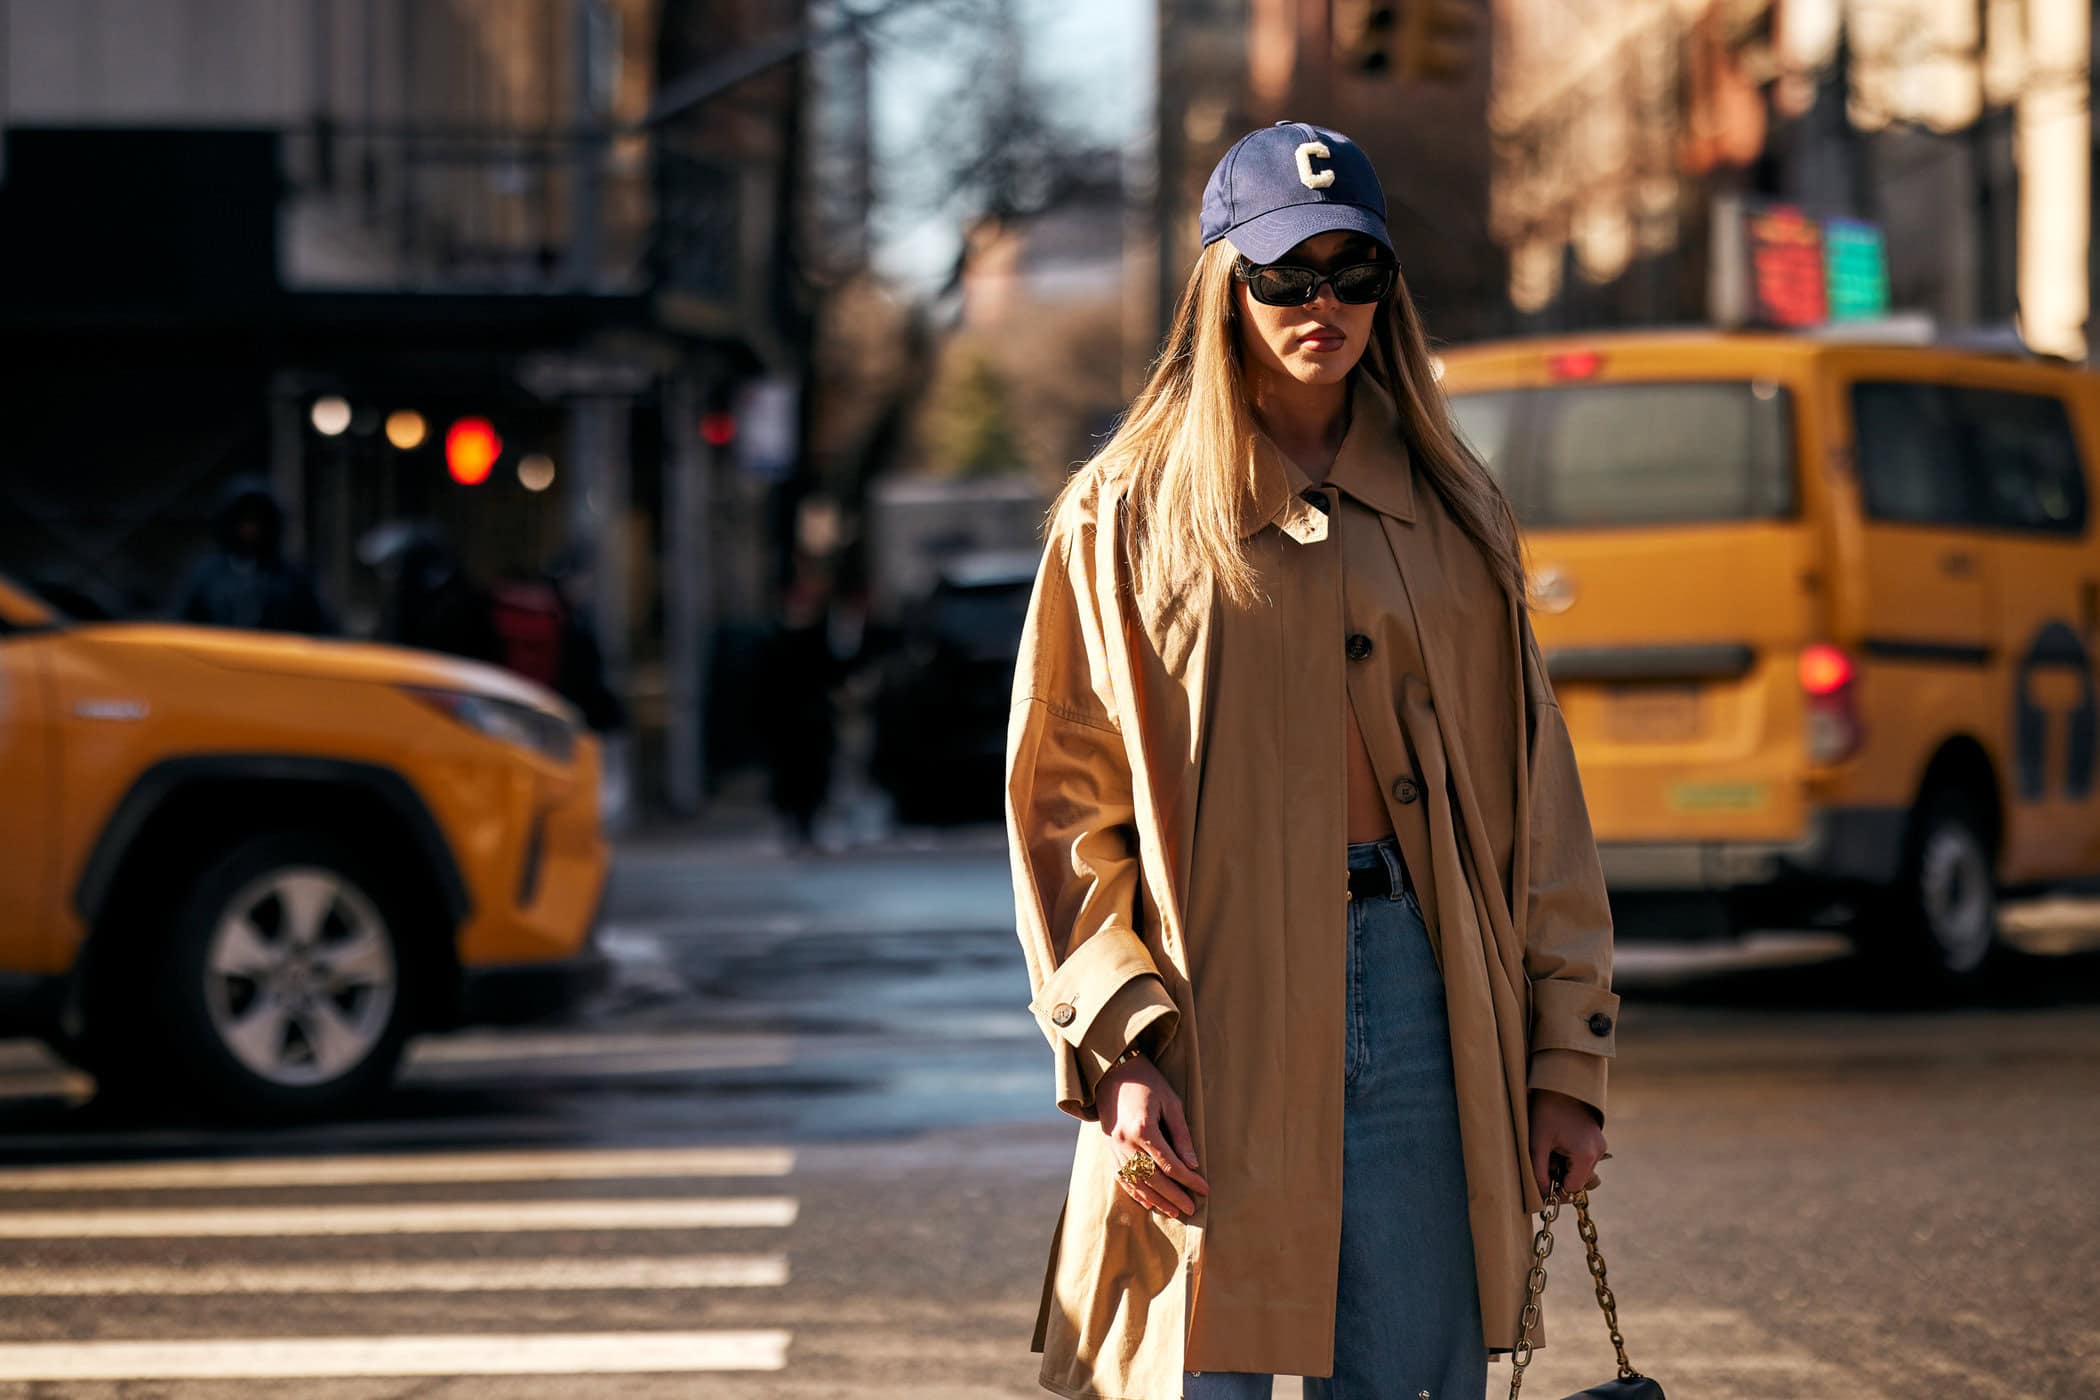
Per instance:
x=1962, y=127
x=215, y=214
x=1409, y=81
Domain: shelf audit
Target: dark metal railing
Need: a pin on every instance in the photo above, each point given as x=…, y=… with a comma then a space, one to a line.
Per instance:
x=458, y=208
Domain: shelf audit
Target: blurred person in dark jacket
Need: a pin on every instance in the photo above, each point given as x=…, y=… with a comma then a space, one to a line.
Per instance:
x=246, y=581
x=545, y=625
x=432, y=603
x=798, y=670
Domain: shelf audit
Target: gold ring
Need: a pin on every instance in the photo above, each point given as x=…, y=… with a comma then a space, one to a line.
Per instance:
x=1139, y=1168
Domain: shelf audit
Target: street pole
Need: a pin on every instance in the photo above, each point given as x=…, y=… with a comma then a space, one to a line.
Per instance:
x=336, y=525
x=288, y=459
x=1141, y=234
x=588, y=178
x=1858, y=151
x=598, y=447
x=1168, y=123
x=2092, y=189
x=1984, y=278
x=688, y=583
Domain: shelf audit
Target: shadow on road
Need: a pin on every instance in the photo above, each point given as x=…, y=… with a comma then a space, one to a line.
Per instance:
x=1817, y=973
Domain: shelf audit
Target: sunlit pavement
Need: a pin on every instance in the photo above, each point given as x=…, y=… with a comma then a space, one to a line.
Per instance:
x=803, y=1148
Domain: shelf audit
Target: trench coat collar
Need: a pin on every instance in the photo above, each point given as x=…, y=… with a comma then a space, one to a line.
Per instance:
x=1373, y=465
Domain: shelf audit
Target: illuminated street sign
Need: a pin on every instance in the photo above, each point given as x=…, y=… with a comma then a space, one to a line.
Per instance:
x=1777, y=265
x=1857, y=260
x=1787, y=280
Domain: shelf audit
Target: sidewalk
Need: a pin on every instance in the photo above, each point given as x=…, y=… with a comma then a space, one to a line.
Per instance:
x=739, y=824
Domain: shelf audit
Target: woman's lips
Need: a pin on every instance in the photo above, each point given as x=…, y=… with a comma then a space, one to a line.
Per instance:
x=1322, y=340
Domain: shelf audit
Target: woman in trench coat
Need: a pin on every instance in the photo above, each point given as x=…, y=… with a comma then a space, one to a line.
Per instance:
x=1311, y=907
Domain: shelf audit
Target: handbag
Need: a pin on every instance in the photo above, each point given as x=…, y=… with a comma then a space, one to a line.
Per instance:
x=1629, y=1384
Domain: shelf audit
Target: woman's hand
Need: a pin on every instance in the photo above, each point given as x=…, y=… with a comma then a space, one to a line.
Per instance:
x=1141, y=1112
x=1564, y=1126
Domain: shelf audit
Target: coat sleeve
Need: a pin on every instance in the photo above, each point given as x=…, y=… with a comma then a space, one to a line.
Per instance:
x=1567, y=917
x=1072, y=837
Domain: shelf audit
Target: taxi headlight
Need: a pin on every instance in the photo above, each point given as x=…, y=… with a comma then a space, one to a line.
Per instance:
x=547, y=735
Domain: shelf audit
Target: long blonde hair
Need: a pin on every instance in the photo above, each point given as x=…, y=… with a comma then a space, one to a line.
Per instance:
x=1184, y=451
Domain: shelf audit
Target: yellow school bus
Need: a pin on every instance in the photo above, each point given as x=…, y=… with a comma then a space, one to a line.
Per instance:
x=1821, y=615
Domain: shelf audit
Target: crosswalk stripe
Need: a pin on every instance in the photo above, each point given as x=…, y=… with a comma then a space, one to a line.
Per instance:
x=419, y=1218
x=390, y=1276
x=501, y=1048
x=495, y=1355
x=502, y=1130
x=580, y=1165
x=608, y=1066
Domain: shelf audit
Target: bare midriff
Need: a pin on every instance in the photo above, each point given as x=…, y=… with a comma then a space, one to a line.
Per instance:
x=1368, y=819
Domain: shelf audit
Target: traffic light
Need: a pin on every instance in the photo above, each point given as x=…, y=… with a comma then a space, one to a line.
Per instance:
x=1436, y=38
x=1363, y=33
x=471, y=450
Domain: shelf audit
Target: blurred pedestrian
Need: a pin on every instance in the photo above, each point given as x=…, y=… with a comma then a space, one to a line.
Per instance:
x=432, y=602
x=246, y=581
x=1312, y=911
x=544, y=621
x=798, y=670
x=581, y=674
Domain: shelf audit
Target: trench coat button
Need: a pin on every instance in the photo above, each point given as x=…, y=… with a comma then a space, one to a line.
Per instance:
x=1358, y=647
x=1063, y=1014
x=1600, y=1024
x=1406, y=790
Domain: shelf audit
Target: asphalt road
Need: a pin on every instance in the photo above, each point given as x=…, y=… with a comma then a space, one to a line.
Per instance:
x=804, y=1148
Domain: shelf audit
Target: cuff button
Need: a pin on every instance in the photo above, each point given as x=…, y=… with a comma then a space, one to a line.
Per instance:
x=1063, y=1014
x=1600, y=1024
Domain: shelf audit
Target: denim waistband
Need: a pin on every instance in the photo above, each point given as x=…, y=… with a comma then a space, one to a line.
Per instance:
x=1365, y=855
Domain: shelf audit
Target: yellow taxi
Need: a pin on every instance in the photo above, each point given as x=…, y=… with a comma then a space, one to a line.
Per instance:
x=246, y=868
x=1822, y=616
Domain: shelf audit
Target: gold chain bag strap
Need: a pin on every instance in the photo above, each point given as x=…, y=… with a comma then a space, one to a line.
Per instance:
x=1629, y=1384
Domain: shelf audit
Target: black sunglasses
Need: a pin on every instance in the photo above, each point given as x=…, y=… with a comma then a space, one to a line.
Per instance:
x=1282, y=284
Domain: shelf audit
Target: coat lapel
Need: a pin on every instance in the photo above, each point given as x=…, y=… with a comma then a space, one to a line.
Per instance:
x=1418, y=552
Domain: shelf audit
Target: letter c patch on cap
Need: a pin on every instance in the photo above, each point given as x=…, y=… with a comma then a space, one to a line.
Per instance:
x=1305, y=171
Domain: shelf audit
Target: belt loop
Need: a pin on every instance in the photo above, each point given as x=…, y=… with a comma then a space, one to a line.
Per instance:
x=1395, y=865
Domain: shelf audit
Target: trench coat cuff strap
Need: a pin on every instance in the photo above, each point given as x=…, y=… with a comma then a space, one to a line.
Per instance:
x=1075, y=1092
x=1072, y=998
x=1573, y=1073
x=1140, y=1007
x=1100, y=999
x=1569, y=1015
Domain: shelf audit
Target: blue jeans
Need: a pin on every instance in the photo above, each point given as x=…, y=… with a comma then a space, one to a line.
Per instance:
x=1407, y=1306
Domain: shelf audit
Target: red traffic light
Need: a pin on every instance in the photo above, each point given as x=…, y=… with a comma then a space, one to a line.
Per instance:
x=471, y=450
x=718, y=429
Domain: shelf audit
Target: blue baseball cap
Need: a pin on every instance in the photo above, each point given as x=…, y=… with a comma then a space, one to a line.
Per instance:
x=1280, y=185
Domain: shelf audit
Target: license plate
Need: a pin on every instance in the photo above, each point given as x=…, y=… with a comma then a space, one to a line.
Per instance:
x=1653, y=714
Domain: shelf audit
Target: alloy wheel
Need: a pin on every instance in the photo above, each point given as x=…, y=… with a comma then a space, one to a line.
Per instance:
x=300, y=976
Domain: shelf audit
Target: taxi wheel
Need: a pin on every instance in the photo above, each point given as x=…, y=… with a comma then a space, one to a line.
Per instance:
x=282, y=982
x=1944, y=928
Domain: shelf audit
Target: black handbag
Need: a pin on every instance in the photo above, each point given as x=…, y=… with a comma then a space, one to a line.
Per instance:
x=1629, y=1384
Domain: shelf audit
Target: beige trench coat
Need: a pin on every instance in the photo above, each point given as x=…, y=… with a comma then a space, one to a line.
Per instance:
x=1109, y=712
